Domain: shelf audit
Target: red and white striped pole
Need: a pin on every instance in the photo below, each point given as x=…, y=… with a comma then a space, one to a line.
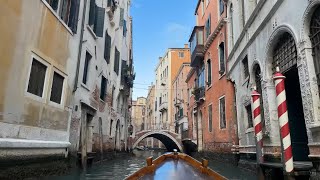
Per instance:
x=256, y=111
x=283, y=121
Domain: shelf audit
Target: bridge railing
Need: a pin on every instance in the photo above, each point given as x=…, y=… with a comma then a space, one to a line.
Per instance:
x=157, y=126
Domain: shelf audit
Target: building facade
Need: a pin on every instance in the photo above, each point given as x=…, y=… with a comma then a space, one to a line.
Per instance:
x=213, y=92
x=180, y=99
x=166, y=70
x=138, y=114
x=36, y=80
x=263, y=36
x=76, y=81
x=104, y=78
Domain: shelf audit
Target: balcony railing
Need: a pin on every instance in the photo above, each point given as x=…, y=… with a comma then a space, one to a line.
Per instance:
x=163, y=106
x=163, y=81
x=199, y=94
x=196, y=45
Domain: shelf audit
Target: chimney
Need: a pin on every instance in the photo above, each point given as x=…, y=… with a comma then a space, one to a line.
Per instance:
x=186, y=45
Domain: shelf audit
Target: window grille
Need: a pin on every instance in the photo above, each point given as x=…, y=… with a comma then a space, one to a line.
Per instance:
x=315, y=40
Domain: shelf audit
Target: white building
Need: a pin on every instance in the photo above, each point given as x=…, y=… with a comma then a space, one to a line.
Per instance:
x=264, y=34
x=104, y=77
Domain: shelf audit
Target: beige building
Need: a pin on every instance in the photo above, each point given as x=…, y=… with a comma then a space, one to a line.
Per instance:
x=138, y=114
x=166, y=70
x=180, y=94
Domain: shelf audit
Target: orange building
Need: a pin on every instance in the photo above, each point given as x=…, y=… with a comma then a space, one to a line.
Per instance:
x=213, y=108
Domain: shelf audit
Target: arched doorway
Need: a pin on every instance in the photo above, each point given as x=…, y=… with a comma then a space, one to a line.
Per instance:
x=315, y=40
x=285, y=57
x=117, y=136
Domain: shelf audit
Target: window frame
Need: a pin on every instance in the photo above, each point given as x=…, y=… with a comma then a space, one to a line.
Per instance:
x=225, y=114
x=46, y=80
x=63, y=97
x=207, y=82
x=105, y=89
x=88, y=68
x=249, y=114
x=181, y=53
x=245, y=68
x=224, y=58
x=210, y=131
x=57, y=14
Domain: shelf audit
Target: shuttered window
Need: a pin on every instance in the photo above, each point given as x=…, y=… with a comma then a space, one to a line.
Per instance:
x=124, y=28
x=222, y=112
x=67, y=10
x=208, y=26
x=116, y=61
x=222, y=66
x=56, y=88
x=209, y=78
x=103, y=88
x=86, y=68
x=37, y=78
x=96, y=18
x=210, y=118
x=107, y=47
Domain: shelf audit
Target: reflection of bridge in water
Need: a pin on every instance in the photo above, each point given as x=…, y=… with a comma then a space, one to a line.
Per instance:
x=169, y=139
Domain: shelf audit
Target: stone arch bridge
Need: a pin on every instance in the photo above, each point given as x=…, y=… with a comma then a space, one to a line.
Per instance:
x=169, y=139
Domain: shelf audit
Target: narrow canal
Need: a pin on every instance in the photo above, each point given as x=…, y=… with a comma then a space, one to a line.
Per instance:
x=121, y=167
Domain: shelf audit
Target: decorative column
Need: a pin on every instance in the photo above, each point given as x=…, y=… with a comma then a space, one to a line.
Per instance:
x=256, y=111
x=283, y=121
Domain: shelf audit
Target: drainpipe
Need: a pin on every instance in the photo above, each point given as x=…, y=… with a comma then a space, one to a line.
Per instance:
x=76, y=79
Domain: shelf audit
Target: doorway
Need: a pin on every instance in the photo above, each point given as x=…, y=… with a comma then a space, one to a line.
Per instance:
x=285, y=57
x=299, y=138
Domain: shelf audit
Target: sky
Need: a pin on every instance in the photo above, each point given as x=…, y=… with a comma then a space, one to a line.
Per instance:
x=157, y=26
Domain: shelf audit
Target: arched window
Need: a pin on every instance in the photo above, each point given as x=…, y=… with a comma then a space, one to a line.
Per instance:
x=257, y=78
x=315, y=40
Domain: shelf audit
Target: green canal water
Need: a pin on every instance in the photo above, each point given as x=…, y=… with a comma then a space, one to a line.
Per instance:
x=121, y=167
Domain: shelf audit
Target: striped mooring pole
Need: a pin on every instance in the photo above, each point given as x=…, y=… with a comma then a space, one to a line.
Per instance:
x=283, y=121
x=256, y=111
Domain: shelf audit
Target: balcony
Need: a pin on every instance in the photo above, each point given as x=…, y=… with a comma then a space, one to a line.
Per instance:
x=163, y=107
x=196, y=46
x=199, y=94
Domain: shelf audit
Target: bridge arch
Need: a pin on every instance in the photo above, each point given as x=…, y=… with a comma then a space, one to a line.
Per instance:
x=166, y=138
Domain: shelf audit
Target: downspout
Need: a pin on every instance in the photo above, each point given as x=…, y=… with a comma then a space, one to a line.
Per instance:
x=76, y=79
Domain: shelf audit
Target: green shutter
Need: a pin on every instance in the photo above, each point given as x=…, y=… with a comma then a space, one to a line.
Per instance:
x=124, y=28
x=74, y=14
x=107, y=47
x=121, y=17
x=92, y=12
x=99, y=21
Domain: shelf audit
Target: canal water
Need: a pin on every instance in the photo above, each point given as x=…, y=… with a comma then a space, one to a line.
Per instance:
x=121, y=167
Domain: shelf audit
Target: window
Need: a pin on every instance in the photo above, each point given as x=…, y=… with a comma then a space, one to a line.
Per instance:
x=181, y=54
x=57, y=88
x=209, y=73
x=107, y=47
x=67, y=10
x=222, y=67
x=221, y=6
x=222, y=112
x=86, y=68
x=103, y=88
x=155, y=105
x=201, y=78
x=112, y=95
x=210, y=117
x=96, y=18
x=245, y=67
x=116, y=61
x=249, y=114
x=208, y=26
x=37, y=78
x=111, y=122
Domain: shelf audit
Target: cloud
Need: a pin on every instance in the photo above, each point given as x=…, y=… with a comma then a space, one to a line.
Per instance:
x=176, y=28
